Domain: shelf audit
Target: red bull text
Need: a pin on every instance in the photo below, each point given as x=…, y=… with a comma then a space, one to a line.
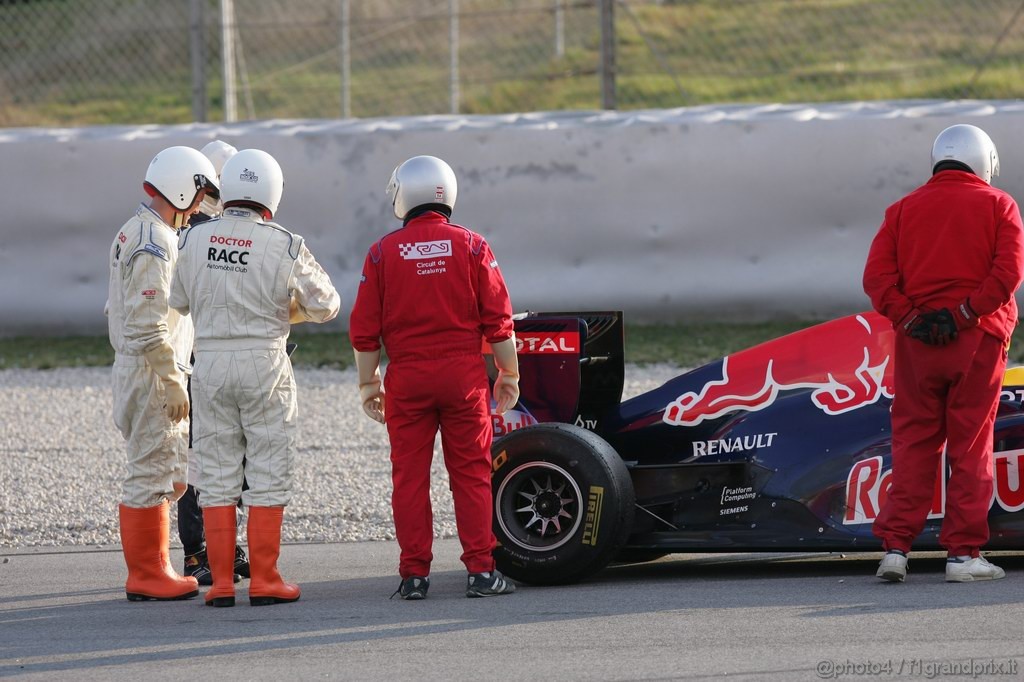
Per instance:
x=867, y=487
x=504, y=424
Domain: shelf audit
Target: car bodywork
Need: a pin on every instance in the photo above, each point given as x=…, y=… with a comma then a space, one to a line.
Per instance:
x=781, y=447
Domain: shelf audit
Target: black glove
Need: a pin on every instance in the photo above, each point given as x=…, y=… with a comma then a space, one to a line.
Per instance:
x=935, y=328
x=965, y=315
x=910, y=322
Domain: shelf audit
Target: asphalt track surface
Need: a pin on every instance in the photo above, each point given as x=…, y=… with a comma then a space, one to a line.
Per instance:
x=63, y=615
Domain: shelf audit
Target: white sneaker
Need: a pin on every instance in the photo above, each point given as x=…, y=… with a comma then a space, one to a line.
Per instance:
x=960, y=571
x=893, y=567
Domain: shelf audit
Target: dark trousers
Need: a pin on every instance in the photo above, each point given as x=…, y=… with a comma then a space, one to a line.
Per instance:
x=190, y=522
x=190, y=516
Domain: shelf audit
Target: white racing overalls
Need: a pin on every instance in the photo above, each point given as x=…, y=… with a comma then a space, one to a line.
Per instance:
x=237, y=276
x=142, y=259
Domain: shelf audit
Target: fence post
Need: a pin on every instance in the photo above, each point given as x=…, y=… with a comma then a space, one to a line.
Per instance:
x=227, y=40
x=453, y=40
x=346, y=61
x=607, y=67
x=197, y=51
x=559, y=28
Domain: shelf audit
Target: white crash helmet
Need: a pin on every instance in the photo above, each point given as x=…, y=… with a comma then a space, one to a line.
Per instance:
x=971, y=146
x=178, y=174
x=218, y=152
x=252, y=176
x=420, y=181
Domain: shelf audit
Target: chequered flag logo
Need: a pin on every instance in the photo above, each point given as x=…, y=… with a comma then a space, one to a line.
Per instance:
x=416, y=250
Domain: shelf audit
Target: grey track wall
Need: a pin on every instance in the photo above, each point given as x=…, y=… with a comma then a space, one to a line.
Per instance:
x=710, y=212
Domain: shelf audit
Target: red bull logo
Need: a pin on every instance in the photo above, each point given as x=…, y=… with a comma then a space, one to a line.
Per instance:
x=503, y=424
x=867, y=487
x=845, y=363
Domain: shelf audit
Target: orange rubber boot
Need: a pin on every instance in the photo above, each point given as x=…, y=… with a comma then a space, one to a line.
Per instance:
x=220, y=524
x=145, y=539
x=265, y=584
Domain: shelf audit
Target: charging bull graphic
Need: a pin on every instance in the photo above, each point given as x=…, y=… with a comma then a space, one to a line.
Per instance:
x=846, y=362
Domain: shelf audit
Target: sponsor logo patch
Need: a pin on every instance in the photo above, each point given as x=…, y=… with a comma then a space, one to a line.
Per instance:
x=548, y=342
x=595, y=500
x=737, y=494
x=230, y=241
x=732, y=496
x=433, y=267
x=499, y=461
x=233, y=256
x=157, y=251
x=503, y=424
x=703, y=448
x=149, y=294
x=867, y=487
x=248, y=176
x=419, y=250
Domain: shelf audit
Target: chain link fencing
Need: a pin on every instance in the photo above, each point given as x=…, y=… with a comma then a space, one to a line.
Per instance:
x=78, y=62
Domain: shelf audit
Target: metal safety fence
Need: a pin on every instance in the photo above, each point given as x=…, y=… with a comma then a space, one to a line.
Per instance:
x=77, y=62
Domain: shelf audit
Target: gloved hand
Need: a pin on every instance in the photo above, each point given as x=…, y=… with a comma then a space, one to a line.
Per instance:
x=965, y=316
x=161, y=360
x=370, y=394
x=936, y=328
x=910, y=321
x=177, y=401
x=506, y=386
x=296, y=314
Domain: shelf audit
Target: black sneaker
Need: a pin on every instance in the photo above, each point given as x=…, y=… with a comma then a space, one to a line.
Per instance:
x=489, y=584
x=413, y=587
x=241, y=563
x=198, y=566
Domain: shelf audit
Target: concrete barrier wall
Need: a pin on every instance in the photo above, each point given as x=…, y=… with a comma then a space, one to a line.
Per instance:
x=710, y=212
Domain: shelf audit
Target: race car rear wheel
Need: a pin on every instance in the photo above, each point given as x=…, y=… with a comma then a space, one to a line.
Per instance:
x=563, y=503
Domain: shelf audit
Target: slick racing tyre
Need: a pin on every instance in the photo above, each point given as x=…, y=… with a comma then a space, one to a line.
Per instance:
x=563, y=503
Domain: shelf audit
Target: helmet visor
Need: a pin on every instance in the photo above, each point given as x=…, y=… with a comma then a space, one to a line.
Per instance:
x=204, y=183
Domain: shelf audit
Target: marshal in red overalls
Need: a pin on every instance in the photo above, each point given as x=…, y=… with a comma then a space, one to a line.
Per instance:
x=430, y=291
x=954, y=241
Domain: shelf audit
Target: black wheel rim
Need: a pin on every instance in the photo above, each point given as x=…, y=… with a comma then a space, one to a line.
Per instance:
x=538, y=506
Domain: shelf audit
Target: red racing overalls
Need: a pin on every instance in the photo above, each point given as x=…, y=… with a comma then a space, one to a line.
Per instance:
x=956, y=238
x=429, y=292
